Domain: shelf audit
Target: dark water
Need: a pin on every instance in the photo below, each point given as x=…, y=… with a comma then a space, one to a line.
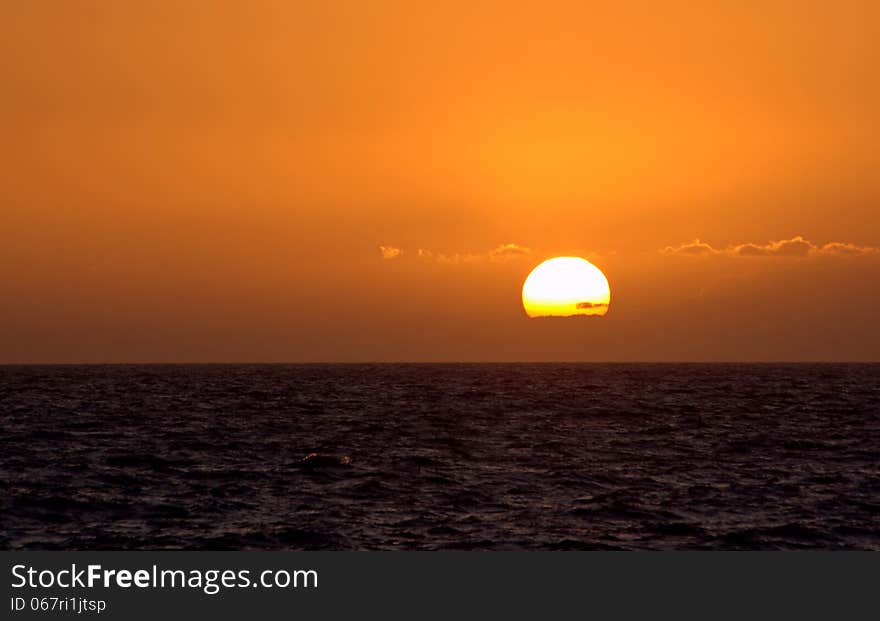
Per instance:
x=557, y=456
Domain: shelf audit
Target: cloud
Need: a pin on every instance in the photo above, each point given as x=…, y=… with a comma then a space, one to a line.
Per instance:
x=507, y=251
x=841, y=248
x=797, y=246
x=449, y=259
x=590, y=305
x=794, y=247
x=390, y=252
x=695, y=247
x=499, y=254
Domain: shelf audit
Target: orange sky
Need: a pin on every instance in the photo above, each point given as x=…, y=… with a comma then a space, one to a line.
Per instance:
x=211, y=181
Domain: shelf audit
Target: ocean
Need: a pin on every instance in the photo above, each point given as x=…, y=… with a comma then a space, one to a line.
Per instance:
x=440, y=456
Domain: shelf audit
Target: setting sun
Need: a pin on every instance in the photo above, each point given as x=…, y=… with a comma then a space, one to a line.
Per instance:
x=565, y=287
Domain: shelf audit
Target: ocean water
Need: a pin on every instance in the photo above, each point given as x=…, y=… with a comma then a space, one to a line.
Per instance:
x=437, y=456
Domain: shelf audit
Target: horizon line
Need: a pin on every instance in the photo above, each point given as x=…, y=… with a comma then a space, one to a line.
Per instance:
x=425, y=362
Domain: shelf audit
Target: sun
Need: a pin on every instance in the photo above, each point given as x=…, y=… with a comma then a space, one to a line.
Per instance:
x=565, y=287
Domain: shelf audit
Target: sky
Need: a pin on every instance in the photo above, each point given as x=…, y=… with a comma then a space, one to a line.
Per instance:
x=373, y=181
